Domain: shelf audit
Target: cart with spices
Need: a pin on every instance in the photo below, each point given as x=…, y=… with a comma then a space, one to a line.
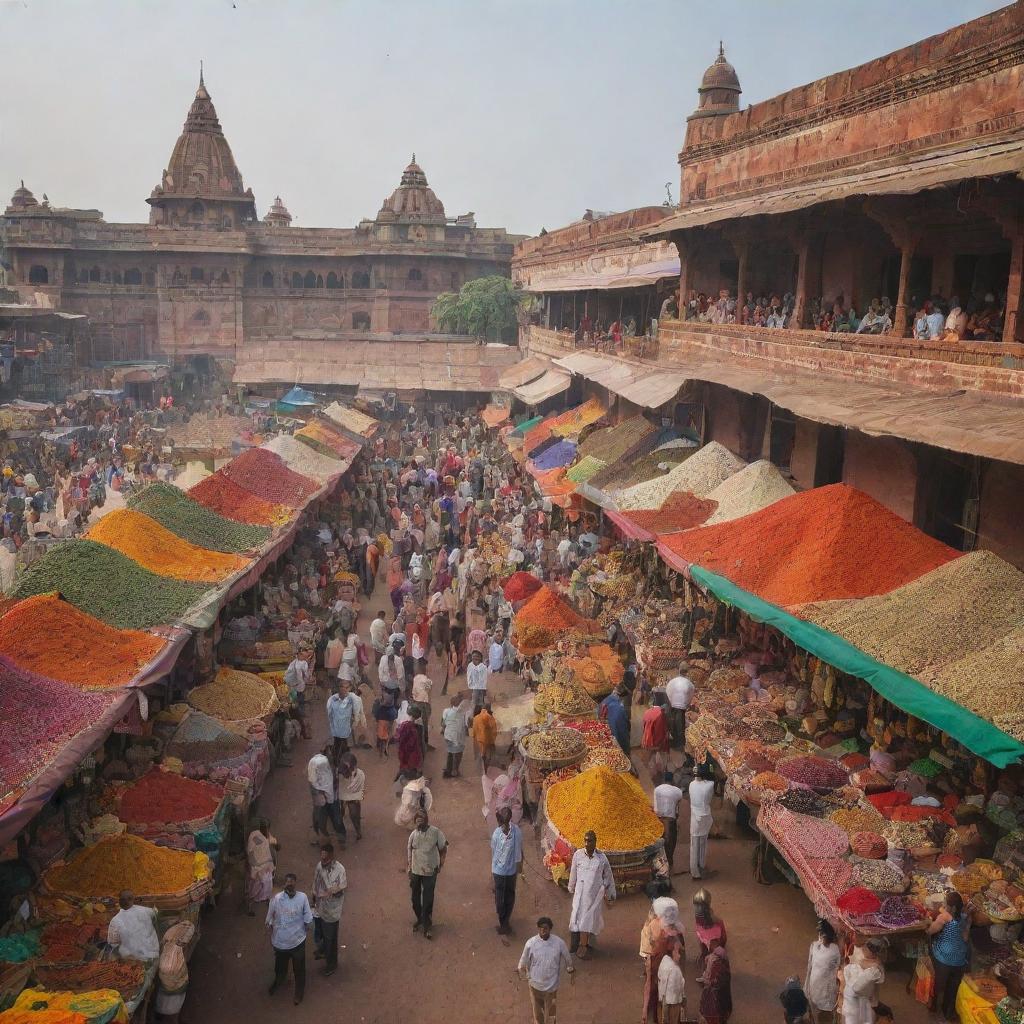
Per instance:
x=614, y=806
x=544, y=751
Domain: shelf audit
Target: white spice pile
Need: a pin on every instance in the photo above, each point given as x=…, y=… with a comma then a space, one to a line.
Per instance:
x=302, y=459
x=700, y=474
x=751, y=489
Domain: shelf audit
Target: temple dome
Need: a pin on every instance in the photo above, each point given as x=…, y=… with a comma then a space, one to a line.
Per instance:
x=413, y=200
x=22, y=199
x=278, y=214
x=202, y=165
x=719, y=88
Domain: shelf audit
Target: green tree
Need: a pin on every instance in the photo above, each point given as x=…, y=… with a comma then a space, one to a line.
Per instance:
x=486, y=307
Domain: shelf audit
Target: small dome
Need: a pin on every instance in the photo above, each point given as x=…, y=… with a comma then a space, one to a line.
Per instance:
x=278, y=214
x=413, y=200
x=22, y=199
x=719, y=89
x=721, y=74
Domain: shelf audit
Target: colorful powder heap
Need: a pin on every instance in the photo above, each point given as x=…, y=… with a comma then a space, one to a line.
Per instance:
x=521, y=585
x=91, y=654
x=327, y=439
x=611, y=804
x=173, y=509
x=235, y=696
x=681, y=511
x=265, y=474
x=226, y=498
x=157, y=549
x=161, y=796
x=125, y=861
x=108, y=585
x=827, y=543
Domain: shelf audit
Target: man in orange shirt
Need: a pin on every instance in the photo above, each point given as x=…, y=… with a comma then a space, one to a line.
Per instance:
x=485, y=733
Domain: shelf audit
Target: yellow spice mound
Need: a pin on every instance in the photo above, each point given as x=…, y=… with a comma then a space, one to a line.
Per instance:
x=611, y=804
x=127, y=862
x=155, y=548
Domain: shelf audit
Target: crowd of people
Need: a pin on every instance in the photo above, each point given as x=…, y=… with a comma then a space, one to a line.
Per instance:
x=416, y=523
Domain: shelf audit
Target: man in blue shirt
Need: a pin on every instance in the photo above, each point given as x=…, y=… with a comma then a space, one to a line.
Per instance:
x=614, y=712
x=288, y=920
x=506, y=863
x=341, y=709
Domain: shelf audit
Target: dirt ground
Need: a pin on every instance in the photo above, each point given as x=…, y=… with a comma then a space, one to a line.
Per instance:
x=467, y=972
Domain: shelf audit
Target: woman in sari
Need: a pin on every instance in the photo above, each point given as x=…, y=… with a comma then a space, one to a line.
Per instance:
x=410, y=744
x=259, y=854
x=716, y=995
x=710, y=929
x=661, y=932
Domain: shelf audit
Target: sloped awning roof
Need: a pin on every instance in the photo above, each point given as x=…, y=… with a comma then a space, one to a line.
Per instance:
x=523, y=372
x=552, y=383
x=616, y=277
x=1002, y=155
x=640, y=385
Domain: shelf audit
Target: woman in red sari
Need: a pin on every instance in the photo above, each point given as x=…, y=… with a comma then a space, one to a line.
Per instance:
x=410, y=744
x=716, y=995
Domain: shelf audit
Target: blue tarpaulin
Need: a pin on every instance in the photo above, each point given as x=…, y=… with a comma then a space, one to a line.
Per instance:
x=299, y=396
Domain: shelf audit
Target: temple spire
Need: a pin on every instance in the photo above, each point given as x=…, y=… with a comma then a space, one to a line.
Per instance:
x=202, y=84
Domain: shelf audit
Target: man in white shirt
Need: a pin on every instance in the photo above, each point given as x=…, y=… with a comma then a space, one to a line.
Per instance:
x=496, y=652
x=679, y=691
x=544, y=956
x=132, y=930
x=476, y=678
x=379, y=634
x=288, y=919
x=296, y=676
x=421, y=687
x=329, y=884
x=667, y=797
x=701, y=791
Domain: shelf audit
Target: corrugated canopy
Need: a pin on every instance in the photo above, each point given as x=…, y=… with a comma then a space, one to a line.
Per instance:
x=615, y=277
x=523, y=372
x=640, y=385
x=1002, y=155
x=553, y=382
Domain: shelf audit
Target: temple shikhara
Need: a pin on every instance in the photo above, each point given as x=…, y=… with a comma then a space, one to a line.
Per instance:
x=206, y=278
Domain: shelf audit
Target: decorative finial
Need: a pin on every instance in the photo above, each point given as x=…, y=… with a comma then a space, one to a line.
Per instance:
x=22, y=182
x=202, y=84
x=414, y=158
x=721, y=50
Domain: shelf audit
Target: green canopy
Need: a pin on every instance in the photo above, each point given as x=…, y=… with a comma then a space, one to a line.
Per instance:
x=526, y=425
x=909, y=694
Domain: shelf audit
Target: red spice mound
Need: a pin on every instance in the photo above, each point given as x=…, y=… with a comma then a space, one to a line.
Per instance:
x=886, y=801
x=819, y=545
x=265, y=474
x=166, y=797
x=521, y=585
x=53, y=638
x=681, y=511
x=547, y=609
x=858, y=900
x=226, y=498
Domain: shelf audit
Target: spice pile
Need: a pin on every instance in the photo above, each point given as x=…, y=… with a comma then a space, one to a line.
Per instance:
x=40, y=716
x=584, y=469
x=108, y=585
x=610, y=444
x=226, y=498
x=300, y=458
x=825, y=543
x=563, y=699
x=680, y=511
x=520, y=586
x=125, y=861
x=618, y=476
x=326, y=439
x=124, y=976
x=91, y=654
x=66, y=942
x=164, y=797
x=173, y=509
x=700, y=474
x=351, y=419
x=264, y=474
x=554, y=744
x=235, y=696
x=611, y=804
x=155, y=548
x=202, y=739
x=751, y=489
x=814, y=772
x=572, y=421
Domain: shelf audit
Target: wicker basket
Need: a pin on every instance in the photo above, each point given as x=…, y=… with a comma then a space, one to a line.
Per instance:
x=549, y=764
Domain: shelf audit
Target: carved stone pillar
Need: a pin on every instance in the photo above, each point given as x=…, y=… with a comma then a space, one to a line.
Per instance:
x=899, y=320
x=1013, y=326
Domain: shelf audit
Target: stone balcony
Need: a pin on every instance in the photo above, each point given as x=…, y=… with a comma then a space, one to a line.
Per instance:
x=989, y=367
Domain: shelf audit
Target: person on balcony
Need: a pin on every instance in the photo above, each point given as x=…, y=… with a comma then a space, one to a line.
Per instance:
x=875, y=320
x=956, y=322
x=986, y=323
x=936, y=320
x=921, y=323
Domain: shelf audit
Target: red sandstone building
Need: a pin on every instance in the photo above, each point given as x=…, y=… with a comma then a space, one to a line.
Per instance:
x=898, y=178
x=207, y=278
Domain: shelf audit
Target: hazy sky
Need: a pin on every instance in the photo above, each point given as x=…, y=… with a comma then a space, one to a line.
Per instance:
x=525, y=111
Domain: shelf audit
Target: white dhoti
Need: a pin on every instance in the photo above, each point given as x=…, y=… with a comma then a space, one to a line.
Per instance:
x=590, y=878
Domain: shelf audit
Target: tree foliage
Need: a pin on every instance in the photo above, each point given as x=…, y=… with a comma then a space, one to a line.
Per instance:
x=486, y=307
